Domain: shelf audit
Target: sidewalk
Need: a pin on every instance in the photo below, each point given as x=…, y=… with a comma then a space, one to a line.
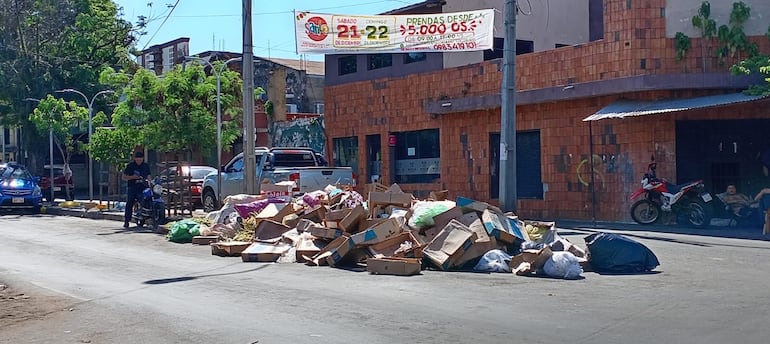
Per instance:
x=96, y=214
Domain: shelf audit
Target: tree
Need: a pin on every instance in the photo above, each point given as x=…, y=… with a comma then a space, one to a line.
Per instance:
x=176, y=113
x=64, y=120
x=47, y=45
x=759, y=63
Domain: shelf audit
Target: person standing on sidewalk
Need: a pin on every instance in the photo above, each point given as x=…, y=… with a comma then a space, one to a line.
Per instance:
x=135, y=174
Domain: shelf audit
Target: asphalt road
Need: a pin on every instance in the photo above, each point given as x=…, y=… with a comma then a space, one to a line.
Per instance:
x=120, y=286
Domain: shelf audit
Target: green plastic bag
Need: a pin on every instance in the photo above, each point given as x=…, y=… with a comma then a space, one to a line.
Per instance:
x=183, y=231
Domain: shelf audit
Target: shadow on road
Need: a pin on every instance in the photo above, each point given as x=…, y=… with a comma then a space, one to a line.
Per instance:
x=194, y=277
x=575, y=228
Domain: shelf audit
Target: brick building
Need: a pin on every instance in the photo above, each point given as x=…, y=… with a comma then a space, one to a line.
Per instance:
x=432, y=121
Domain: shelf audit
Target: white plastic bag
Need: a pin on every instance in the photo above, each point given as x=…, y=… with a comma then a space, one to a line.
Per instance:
x=563, y=264
x=494, y=261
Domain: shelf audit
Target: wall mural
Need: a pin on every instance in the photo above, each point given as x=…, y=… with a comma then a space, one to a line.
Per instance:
x=303, y=132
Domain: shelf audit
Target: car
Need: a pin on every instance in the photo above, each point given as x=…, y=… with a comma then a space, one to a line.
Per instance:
x=63, y=183
x=19, y=189
x=197, y=174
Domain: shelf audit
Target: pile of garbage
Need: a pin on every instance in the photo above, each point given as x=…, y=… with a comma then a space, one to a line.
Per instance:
x=391, y=232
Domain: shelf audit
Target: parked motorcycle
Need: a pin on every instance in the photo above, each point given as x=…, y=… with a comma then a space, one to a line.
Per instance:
x=687, y=201
x=150, y=208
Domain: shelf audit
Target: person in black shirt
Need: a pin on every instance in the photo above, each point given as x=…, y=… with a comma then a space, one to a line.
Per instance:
x=135, y=174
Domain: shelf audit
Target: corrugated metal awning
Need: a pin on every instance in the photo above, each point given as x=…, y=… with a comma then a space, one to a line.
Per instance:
x=628, y=108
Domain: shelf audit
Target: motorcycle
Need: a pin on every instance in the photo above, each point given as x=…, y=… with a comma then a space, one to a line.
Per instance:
x=150, y=208
x=687, y=201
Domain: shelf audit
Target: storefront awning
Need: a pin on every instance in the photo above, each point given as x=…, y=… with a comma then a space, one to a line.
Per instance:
x=628, y=108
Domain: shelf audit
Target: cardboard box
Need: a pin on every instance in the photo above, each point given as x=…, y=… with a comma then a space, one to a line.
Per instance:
x=323, y=232
x=439, y=195
x=350, y=222
x=307, y=247
x=529, y=261
x=501, y=227
x=441, y=220
x=392, y=247
x=204, y=239
x=229, y=248
x=340, y=248
x=394, y=266
x=368, y=223
x=379, y=232
x=316, y=214
x=333, y=217
x=287, y=210
x=388, y=198
x=452, y=241
x=269, y=231
x=476, y=205
x=277, y=190
x=481, y=245
x=264, y=252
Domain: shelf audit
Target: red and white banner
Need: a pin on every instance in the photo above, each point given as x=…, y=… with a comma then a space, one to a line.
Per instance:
x=351, y=34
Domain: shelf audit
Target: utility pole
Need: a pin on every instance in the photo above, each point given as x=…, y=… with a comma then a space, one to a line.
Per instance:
x=249, y=130
x=508, y=113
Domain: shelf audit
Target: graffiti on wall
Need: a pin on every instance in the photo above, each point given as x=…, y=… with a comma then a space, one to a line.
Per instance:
x=303, y=132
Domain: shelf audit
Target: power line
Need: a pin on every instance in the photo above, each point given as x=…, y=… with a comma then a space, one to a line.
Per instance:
x=161, y=24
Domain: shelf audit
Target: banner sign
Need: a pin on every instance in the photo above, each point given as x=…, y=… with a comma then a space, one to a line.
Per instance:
x=351, y=34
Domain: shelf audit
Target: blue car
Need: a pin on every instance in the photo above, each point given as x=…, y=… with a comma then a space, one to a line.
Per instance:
x=18, y=188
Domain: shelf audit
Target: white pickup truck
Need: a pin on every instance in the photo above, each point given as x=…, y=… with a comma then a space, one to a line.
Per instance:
x=301, y=165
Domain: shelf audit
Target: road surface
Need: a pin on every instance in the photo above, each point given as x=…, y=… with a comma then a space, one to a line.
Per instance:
x=93, y=282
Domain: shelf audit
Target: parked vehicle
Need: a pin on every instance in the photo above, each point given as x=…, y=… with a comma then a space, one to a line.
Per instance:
x=150, y=208
x=197, y=175
x=19, y=189
x=303, y=166
x=687, y=201
x=63, y=183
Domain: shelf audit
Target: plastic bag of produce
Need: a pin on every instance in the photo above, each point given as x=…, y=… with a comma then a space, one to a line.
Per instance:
x=424, y=211
x=183, y=231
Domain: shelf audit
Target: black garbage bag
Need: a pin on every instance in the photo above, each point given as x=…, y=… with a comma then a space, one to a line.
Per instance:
x=613, y=253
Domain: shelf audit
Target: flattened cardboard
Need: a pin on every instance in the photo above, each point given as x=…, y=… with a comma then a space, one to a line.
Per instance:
x=337, y=215
x=388, y=198
x=439, y=195
x=285, y=211
x=394, y=266
x=264, y=252
x=441, y=220
x=368, y=223
x=204, y=239
x=501, y=227
x=476, y=205
x=307, y=247
x=529, y=261
x=229, y=248
x=269, y=231
x=323, y=232
x=453, y=240
x=483, y=243
x=316, y=214
x=352, y=219
x=380, y=232
x=392, y=247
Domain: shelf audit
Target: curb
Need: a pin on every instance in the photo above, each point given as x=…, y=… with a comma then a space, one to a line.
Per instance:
x=82, y=212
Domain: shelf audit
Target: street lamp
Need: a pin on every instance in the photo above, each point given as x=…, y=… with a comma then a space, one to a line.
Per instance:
x=218, y=74
x=90, y=133
x=50, y=151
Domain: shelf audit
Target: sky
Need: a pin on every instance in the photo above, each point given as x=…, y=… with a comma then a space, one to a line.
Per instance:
x=217, y=25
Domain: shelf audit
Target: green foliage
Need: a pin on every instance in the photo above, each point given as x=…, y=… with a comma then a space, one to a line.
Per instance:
x=112, y=146
x=66, y=120
x=704, y=22
x=682, y=45
x=732, y=37
x=50, y=45
x=756, y=64
x=177, y=113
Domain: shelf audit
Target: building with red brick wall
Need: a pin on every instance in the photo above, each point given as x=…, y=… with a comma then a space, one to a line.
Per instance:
x=437, y=126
